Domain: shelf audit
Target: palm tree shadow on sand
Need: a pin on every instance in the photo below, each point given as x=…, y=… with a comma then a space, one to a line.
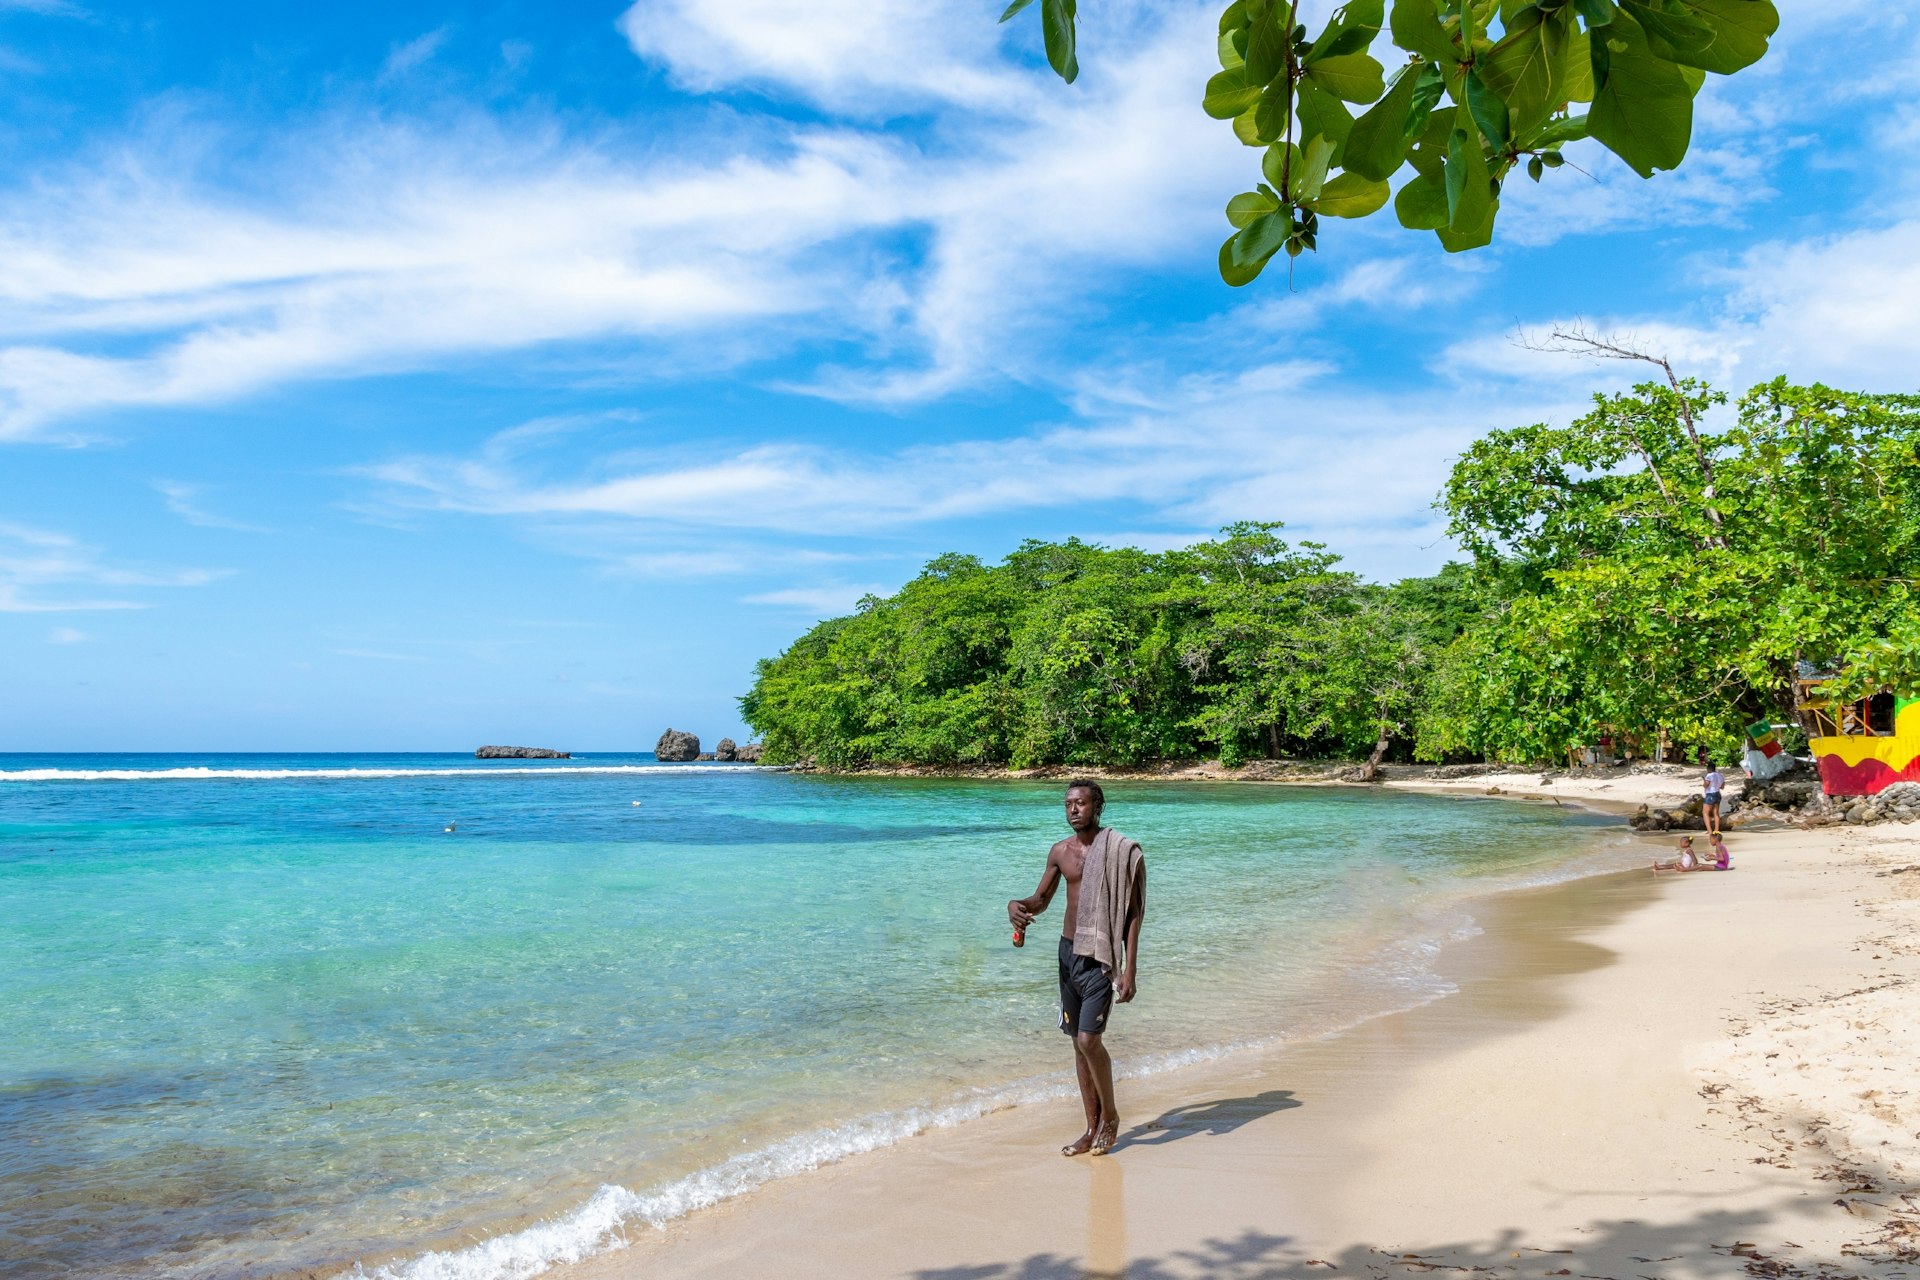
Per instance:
x=1221, y=1116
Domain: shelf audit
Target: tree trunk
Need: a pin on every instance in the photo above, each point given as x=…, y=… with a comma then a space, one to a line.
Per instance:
x=1370, y=771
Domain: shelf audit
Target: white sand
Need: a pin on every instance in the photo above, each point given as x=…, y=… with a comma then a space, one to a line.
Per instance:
x=1619, y=791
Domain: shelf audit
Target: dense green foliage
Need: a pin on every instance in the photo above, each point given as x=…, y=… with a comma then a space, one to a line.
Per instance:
x=1633, y=572
x=1509, y=100
x=1072, y=652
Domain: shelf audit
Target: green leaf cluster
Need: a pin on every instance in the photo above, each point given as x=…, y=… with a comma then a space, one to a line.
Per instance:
x=1468, y=91
x=1483, y=87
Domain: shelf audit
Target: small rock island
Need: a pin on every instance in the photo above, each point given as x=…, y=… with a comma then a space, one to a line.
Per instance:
x=676, y=745
x=520, y=753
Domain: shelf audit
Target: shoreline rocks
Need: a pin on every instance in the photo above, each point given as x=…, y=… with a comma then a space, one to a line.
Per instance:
x=1685, y=818
x=521, y=753
x=1899, y=802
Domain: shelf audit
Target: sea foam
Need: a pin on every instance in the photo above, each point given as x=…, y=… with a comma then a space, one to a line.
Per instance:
x=602, y=1223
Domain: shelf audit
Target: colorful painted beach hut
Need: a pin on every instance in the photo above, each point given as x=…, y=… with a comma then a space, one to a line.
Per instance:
x=1860, y=747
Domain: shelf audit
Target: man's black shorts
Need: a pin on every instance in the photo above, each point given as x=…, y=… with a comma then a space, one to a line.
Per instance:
x=1086, y=993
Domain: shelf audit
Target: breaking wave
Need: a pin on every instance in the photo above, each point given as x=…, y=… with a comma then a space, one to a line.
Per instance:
x=205, y=774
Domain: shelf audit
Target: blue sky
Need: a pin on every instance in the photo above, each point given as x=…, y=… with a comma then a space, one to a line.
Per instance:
x=409, y=377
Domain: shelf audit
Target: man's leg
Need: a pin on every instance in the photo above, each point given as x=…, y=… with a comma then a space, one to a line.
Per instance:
x=1089, y=1101
x=1089, y=1087
x=1070, y=1023
x=1094, y=1062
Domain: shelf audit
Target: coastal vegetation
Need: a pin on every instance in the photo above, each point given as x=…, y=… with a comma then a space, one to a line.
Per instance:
x=1654, y=570
x=1465, y=108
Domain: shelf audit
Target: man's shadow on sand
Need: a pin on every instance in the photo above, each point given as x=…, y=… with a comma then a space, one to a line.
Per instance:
x=1221, y=1116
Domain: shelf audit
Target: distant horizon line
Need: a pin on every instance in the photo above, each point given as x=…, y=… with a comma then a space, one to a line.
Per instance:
x=307, y=751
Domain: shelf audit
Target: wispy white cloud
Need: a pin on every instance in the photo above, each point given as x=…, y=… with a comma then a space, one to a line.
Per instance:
x=1839, y=309
x=184, y=501
x=727, y=559
x=41, y=570
x=67, y=635
x=51, y=8
x=518, y=243
x=825, y=601
x=1281, y=441
x=1843, y=308
x=387, y=248
x=848, y=55
x=405, y=57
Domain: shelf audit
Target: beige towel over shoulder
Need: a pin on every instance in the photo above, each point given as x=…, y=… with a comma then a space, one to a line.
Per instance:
x=1106, y=892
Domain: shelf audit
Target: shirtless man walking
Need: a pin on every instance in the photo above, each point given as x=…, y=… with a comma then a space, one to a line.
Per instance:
x=1099, y=947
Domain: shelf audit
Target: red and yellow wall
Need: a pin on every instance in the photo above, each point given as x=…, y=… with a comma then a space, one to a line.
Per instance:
x=1860, y=765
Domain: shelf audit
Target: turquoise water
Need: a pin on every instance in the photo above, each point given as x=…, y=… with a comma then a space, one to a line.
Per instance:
x=261, y=1015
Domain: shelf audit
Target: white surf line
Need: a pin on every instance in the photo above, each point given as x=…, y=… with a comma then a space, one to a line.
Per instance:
x=199, y=774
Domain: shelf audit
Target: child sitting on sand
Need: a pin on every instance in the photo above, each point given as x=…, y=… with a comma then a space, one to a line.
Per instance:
x=1722, y=856
x=1687, y=861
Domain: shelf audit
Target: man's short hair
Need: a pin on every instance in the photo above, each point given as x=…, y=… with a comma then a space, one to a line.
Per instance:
x=1087, y=784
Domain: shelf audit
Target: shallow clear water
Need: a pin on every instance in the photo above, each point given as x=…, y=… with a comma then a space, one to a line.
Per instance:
x=263, y=1013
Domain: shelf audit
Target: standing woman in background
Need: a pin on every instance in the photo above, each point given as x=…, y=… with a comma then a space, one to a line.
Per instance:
x=1710, y=790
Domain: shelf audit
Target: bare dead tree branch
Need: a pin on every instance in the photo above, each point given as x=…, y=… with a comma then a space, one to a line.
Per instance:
x=1580, y=341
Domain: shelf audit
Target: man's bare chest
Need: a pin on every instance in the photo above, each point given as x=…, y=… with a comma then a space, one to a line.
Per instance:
x=1071, y=857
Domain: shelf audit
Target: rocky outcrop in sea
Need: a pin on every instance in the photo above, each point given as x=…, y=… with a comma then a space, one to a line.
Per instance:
x=521, y=753
x=676, y=746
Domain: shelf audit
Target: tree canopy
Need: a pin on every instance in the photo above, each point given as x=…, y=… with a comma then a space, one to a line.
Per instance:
x=1078, y=653
x=1665, y=576
x=1480, y=89
x=1632, y=573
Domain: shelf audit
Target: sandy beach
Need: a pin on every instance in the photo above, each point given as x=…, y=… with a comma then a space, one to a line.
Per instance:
x=1616, y=790
x=1639, y=1076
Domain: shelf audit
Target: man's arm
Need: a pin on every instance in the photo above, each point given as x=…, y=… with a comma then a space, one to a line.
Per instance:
x=1128, y=980
x=1022, y=910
